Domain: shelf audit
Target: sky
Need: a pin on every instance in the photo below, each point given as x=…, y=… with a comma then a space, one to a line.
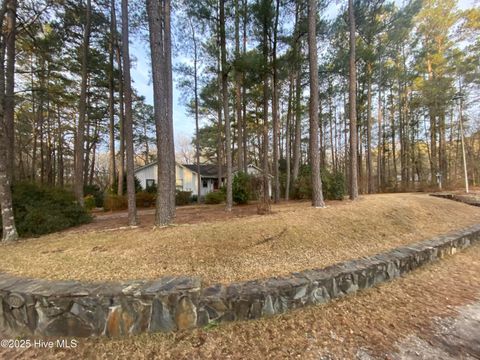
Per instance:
x=184, y=125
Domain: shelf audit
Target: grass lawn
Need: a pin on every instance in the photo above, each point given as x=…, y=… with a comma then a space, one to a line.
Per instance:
x=239, y=246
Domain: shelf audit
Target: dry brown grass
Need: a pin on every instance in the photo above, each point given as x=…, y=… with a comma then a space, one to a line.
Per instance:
x=374, y=320
x=294, y=238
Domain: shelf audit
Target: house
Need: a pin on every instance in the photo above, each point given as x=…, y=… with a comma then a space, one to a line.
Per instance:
x=186, y=176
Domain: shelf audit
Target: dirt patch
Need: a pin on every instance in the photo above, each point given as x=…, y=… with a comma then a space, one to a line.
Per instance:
x=370, y=322
x=452, y=338
x=296, y=237
x=192, y=214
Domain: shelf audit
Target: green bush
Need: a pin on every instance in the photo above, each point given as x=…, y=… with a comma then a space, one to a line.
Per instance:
x=152, y=189
x=42, y=210
x=183, y=197
x=138, y=186
x=114, y=202
x=96, y=192
x=302, y=186
x=215, y=197
x=145, y=199
x=194, y=198
x=241, y=188
x=333, y=185
x=89, y=202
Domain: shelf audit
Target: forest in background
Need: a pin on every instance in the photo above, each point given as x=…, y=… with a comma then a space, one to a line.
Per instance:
x=392, y=100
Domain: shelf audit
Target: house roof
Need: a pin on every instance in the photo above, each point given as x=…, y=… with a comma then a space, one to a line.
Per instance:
x=206, y=170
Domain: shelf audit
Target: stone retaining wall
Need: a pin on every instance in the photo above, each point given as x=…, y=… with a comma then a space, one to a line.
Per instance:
x=72, y=308
x=466, y=199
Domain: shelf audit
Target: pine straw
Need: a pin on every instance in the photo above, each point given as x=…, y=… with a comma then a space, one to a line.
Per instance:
x=294, y=238
x=372, y=320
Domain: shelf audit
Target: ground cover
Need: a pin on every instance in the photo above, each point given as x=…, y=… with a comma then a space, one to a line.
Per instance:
x=374, y=322
x=246, y=246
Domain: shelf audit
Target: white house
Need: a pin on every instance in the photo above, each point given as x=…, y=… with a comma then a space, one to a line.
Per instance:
x=186, y=176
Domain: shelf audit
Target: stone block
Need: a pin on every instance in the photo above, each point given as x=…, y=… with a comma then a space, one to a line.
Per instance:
x=185, y=313
x=161, y=317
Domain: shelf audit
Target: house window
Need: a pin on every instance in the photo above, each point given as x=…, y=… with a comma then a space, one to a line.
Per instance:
x=150, y=183
x=179, y=184
x=204, y=183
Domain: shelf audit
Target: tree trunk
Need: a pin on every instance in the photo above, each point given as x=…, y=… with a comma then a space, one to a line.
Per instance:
x=111, y=99
x=132, y=208
x=9, y=231
x=288, y=138
x=394, y=139
x=121, y=103
x=10, y=85
x=276, y=130
x=197, y=128
x=265, y=202
x=79, y=140
x=158, y=15
x=88, y=142
x=49, y=157
x=353, y=105
x=226, y=116
x=238, y=93
x=219, y=112
x=244, y=90
x=298, y=127
x=317, y=196
x=91, y=175
x=297, y=52
x=33, y=173
x=369, y=130
x=169, y=119
x=380, y=147
x=41, y=120
x=60, y=166
x=442, y=151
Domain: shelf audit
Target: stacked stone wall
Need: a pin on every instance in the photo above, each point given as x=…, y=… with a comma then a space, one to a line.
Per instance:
x=79, y=309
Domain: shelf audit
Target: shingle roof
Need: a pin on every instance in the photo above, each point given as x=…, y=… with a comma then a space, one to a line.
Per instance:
x=206, y=170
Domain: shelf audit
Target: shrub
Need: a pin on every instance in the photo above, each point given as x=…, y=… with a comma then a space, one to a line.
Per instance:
x=145, y=199
x=333, y=185
x=138, y=186
x=194, y=198
x=256, y=183
x=114, y=202
x=214, y=197
x=89, y=202
x=241, y=188
x=182, y=197
x=42, y=210
x=152, y=189
x=302, y=186
x=96, y=192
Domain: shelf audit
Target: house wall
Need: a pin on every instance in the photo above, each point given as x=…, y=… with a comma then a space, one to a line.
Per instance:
x=149, y=172
x=205, y=190
x=189, y=179
x=254, y=171
x=186, y=179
